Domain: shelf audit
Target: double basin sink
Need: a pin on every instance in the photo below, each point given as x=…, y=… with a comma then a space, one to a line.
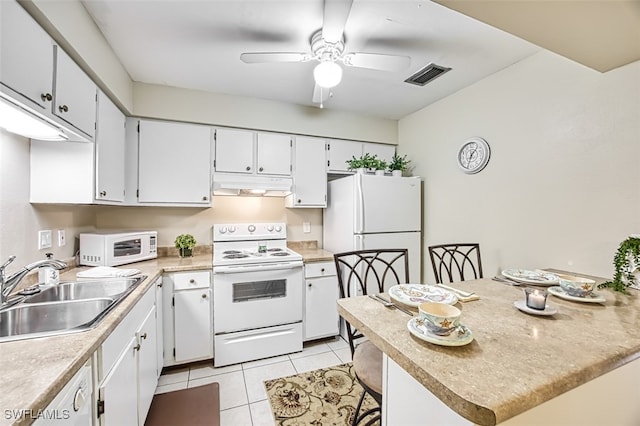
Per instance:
x=63, y=308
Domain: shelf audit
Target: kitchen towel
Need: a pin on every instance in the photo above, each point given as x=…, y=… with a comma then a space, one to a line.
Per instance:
x=107, y=272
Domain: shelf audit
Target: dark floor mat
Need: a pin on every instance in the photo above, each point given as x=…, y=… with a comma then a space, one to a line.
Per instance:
x=194, y=407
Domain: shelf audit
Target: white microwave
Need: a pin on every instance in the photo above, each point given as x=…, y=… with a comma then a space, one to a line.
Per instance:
x=113, y=249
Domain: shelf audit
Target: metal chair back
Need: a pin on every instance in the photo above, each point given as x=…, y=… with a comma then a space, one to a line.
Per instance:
x=456, y=262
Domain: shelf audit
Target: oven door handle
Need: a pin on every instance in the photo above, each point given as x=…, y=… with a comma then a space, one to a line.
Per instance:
x=235, y=269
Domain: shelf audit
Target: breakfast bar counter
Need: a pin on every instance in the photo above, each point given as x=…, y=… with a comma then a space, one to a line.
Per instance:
x=517, y=362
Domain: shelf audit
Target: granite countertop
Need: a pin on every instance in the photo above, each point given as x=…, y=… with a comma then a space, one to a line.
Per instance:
x=33, y=371
x=516, y=360
x=310, y=252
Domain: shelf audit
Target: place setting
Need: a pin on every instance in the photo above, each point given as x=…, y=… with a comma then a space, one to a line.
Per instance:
x=517, y=276
x=414, y=294
x=439, y=323
x=576, y=289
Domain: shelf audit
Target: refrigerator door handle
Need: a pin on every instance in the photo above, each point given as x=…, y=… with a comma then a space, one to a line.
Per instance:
x=359, y=207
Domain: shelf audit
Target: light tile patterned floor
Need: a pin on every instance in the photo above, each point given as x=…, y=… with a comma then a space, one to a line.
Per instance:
x=243, y=400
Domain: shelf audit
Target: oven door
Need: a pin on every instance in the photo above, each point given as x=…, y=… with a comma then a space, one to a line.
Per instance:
x=254, y=296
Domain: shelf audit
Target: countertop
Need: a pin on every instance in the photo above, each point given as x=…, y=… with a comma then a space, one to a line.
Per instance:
x=33, y=371
x=310, y=252
x=516, y=360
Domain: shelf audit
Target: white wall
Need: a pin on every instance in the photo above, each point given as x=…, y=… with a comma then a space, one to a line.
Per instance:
x=562, y=188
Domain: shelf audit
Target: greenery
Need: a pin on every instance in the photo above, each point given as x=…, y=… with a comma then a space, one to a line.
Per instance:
x=623, y=277
x=185, y=241
x=399, y=163
x=380, y=165
x=366, y=161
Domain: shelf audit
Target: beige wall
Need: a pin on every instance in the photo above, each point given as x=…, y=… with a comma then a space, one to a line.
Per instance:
x=562, y=188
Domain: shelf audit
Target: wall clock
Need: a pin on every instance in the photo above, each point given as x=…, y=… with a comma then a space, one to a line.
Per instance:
x=473, y=155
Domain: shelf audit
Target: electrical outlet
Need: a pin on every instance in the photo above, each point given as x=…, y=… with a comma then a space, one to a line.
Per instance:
x=44, y=239
x=306, y=227
x=62, y=238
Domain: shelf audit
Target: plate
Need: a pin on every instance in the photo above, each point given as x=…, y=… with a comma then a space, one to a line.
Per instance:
x=531, y=277
x=415, y=294
x=522, y=305
x=460, y=337
x=592, y=298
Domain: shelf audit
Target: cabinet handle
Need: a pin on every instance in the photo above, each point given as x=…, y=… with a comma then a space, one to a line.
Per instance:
x=136, y=347
x=299, y=200
x=309, y=285
x=260, y=169
x=160, y=285
x=204, y=296
x=248, y=168
x=191, y=281
x=103, y=193
x=204, y=198
x=63, y=108
x=144, y=336
x=46, y=97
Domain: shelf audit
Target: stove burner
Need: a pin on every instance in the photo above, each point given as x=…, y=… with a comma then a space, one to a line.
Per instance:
x=231, y=252
x=274, y=249
x=280, y=253
x=235, y=256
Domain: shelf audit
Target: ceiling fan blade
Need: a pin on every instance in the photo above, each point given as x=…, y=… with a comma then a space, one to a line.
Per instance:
x=320, y=95
x=336, y=13
x=261, y=57
x=377, y=61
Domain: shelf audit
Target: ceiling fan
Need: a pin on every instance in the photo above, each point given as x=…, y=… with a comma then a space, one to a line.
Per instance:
x=327, y=47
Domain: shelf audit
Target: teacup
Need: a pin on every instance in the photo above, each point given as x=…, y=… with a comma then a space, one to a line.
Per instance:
x=576, y=286
x=439, y=318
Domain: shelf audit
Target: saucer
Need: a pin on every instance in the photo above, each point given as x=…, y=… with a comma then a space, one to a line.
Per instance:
x=548, y=310
x=592, y=298
x=415, y=294
x=461, y=336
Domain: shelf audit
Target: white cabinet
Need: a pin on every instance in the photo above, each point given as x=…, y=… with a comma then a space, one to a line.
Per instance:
x=321, y=317
x=80, y=172
x=74, y=99
x=309, y=173
x=26, y=62
x=159, y=327
x=174, y=163
x=252, y=153
x=110, y=140
x=72, y=405
x=341, y=151
x=127, y=366
x=188, y=323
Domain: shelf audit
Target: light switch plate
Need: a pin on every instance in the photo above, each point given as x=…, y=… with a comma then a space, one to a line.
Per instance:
x=44, y=239
x=62, y=238
x=306, y=227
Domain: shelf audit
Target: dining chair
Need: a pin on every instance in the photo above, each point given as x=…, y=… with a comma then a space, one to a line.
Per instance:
x=456, y=262
x=360, y=272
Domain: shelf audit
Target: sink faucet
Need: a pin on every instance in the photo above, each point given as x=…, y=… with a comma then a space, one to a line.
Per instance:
x=7, y=284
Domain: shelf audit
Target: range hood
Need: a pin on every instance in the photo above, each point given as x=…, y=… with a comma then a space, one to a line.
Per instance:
x=237, y=184
x=18, y=118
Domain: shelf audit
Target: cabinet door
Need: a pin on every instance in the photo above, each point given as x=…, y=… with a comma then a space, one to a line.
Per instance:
x=193, y=327
x=310, y=173
x=119, y=390
x=26, y=56
x=274, y=154
x=383, y=151
x=234, y=150
x=342, y=151
x=174, y=164
x=75, y=96
x=321, y=313
x=159, y=327
x=146, y=364
x=110, y=137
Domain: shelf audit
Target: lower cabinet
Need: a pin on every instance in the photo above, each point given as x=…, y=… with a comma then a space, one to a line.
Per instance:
x=188, y=319
x=320, y=300
x=127, y=366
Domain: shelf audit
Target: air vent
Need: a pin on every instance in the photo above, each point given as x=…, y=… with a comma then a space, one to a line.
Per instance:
x=427, y=74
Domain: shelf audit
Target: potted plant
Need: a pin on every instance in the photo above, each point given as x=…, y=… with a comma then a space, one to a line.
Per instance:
x=398, y=164
x=366, y=162
x=380, y=167
x=185, y=244
x=627, y=265
x=356, y=164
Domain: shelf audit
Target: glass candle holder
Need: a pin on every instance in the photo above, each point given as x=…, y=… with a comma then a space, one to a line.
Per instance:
x=535, y=298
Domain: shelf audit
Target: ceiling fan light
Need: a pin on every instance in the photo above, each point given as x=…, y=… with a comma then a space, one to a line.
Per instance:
x=327, y=74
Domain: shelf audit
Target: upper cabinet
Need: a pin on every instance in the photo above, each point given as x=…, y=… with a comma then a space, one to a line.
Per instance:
x=38, y=74
x=341, y=151
x=309, y=173
x=174, y=163
x=110, y=140
x=252, y=153
x=26, y=64
x=74, y=100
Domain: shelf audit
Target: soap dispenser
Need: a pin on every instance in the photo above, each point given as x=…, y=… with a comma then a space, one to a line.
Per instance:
x=47, y=274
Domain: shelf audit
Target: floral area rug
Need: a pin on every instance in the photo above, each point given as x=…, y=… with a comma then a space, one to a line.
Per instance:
x=328, y=396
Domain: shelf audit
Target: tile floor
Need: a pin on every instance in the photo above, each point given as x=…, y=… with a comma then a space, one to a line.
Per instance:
x=243, y=399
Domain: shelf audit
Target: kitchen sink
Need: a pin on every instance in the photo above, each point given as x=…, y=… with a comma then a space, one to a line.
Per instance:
x=80, y=290
x=45, y=319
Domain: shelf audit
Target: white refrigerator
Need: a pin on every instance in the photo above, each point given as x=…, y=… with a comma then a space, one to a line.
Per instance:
x=375, y=212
